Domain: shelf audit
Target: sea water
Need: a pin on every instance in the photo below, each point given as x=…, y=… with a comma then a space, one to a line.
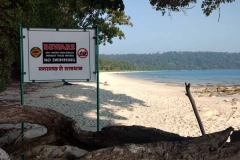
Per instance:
x=203, y=77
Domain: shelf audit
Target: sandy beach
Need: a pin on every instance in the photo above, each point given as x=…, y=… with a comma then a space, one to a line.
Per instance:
x=127, y=101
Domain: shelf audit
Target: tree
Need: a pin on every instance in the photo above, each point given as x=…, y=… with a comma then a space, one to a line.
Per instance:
x=108, y=14
x=173, y=60
x=182, y=5
x=115, y=65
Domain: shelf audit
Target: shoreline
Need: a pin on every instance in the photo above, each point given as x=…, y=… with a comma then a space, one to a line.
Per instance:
x=211, y=86
x=198, y=90
x=127, y=101
x=196, y=85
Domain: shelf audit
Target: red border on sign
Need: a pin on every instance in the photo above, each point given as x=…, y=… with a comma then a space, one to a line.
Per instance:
x=82, y=52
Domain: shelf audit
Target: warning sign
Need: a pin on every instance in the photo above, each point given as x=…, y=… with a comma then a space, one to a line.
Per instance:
x=35, y=52
x=59, y=53
x=82, y=53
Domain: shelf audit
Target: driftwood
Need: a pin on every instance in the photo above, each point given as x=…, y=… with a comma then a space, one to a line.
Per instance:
x=194, y=107
x=118, y=142
x=205, y=147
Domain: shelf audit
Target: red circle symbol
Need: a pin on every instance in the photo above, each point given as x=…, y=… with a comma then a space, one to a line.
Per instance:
x=82, y=53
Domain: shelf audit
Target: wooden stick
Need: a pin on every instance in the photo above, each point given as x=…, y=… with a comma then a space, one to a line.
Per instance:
x=194, y=107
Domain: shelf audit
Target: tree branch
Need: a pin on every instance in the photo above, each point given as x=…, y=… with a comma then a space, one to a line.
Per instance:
x=219, y=14
x=194, y=107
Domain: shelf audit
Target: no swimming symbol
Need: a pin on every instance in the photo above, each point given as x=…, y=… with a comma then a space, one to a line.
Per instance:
x=82, y=53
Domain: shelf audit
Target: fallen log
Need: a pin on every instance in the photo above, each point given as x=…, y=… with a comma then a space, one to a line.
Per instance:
x=198, y=148
x=120, y=142
x=63, y=130
x=65, y=126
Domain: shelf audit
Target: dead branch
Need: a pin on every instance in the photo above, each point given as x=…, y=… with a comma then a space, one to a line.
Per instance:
x=194, y=107
x=218, y=13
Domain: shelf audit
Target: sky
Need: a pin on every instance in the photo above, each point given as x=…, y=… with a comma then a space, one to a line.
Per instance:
x=152, y=32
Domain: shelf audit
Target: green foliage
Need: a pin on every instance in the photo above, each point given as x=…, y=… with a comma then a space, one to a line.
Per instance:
x=176, y=6
x=180, y=60
x=108, y=21
x=182, y=5
x=209, y=5
x=114, y=65
x=108, y=14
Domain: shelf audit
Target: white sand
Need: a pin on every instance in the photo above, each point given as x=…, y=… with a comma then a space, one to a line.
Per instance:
x=129, y=101
x=167, y=107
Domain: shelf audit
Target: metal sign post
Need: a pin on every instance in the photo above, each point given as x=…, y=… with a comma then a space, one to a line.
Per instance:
x=22, y=79
x=98, y=90
x=21, y=63
x=22, y=73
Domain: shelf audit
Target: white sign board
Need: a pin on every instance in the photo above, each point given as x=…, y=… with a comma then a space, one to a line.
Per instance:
x=58, y=55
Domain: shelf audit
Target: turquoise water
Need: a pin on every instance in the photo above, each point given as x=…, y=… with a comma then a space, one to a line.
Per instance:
x=227, y=77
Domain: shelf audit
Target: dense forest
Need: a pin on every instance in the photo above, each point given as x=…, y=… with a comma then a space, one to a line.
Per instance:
x=178, y=60
x=114, y=65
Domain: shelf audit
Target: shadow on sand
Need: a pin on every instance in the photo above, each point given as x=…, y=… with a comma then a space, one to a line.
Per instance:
x=80, y=103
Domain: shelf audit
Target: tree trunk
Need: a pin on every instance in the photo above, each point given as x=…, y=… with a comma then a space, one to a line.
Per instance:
x=195, y=149
x=123, y=142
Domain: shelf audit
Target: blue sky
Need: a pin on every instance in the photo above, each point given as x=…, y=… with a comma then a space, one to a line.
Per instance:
x=152, y=32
